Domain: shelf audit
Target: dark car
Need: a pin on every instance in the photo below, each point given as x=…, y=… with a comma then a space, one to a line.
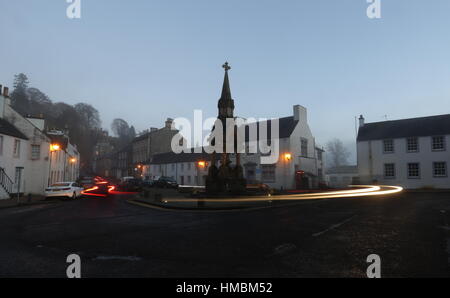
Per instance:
x=132, y=185
x=148, y=183
x=166, y=182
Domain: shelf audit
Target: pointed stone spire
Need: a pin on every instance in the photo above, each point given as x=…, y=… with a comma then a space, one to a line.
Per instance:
x=226, y=91
x=226, y=103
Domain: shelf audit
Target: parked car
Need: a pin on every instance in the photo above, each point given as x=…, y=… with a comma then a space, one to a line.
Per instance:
x=132, y=185
x=86, y=181
x=166, y=182
x=148, y=183
x=70, y=190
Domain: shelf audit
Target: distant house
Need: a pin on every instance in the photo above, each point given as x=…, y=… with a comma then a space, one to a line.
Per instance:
x=342, y=176
x=413, y=153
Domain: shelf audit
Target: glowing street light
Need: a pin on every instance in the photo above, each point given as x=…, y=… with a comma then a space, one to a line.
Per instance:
x=55, y=147
x=201, y=164
x=73, y=160
x=287, y=156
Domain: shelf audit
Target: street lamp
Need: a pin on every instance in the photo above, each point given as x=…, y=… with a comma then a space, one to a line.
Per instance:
x=53, y=148
x=287, y=156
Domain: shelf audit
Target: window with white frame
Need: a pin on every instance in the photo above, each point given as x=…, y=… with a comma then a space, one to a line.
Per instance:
x=412, y=145
x=440, y=169
x=182, y=166
x=16, y=149
x=388, y=146
x=35, y=152
x=304, y=147
x=389, y=170
x=268, y=173
x=413, y=170
x=438, y=143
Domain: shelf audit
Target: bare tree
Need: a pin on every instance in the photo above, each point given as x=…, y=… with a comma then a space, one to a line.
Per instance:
x=338, y=153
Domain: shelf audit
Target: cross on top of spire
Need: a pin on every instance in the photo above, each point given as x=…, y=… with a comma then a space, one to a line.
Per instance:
x=226, y=66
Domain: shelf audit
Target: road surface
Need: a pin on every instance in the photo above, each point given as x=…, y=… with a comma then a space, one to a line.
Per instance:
x=327, y=238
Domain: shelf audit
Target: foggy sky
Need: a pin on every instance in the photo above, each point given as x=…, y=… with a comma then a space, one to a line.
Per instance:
x=144, y=61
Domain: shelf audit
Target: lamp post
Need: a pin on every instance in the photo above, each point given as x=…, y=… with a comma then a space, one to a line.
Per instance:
x=287, y=157
x=201, y=165
x=53, y=148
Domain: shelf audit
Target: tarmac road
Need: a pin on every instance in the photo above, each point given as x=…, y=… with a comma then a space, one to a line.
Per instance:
x=328, y=238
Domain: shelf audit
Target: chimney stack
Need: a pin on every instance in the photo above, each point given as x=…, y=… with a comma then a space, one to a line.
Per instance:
x=6, y=92
x=1, y=89
x=169, y=122
x=300, y=113
x=361, y=121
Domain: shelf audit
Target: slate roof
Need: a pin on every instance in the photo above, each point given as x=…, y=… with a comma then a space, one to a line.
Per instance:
x=8, y=129
x=286, y=127
x=171, y=157
x=414, y=127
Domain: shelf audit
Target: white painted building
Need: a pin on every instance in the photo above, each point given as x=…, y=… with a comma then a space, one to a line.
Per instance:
x=29, y=156
x=412, y=153
x=13, y=158
x=299, y=166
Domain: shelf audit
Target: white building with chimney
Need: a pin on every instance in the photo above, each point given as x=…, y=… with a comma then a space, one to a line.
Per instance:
x=26, y=152
x=412, y=153
x=299, y=164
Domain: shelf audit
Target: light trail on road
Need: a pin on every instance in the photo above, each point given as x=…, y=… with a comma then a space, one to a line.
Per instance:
x=366, y=190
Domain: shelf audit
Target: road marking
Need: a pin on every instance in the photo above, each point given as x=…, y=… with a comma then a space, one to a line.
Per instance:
x=335, y=226
x=284, y=248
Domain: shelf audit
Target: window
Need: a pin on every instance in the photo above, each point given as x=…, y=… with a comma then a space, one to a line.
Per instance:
x=388, y=146
x=412, y=145
x=389, y=170
x=319, y=155
x=35, y=152
x=1, y=145
x=189, y=179
x=304, y=147
x=438, y=143
x=16, y=151
x=440, y=169
x=173, y=167
x=268, y=173
x=413, y=170
x=182, y=166
x=189, y=166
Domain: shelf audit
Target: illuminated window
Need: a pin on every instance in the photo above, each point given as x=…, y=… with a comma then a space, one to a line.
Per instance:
x=412, y=145
x=440, y=169
x=413, y=170
x=438, y=143
x=389, y=170
x=388, y=146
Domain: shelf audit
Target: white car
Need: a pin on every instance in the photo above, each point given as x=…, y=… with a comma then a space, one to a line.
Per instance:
x=71, y=190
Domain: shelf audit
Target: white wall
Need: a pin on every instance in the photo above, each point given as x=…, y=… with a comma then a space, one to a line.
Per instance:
x=371, y=160
x=9, y=163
